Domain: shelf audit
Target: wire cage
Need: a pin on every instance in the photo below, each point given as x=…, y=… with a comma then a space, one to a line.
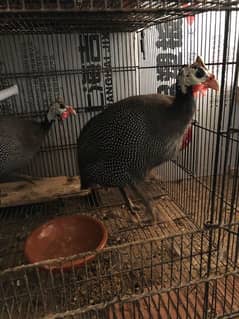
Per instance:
x=94, y=53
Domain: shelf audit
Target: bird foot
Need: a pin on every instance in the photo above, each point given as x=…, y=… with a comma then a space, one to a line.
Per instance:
x=133, y=208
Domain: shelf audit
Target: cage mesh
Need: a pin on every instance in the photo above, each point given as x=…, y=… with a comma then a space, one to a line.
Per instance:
x=94, y=53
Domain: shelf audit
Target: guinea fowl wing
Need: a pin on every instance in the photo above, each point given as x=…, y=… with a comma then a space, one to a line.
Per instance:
x=108, y=133
x=19, y=141
x=26, y=133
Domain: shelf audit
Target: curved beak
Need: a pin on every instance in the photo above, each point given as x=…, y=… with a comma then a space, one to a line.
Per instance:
x=211, y=82
x=71, y=110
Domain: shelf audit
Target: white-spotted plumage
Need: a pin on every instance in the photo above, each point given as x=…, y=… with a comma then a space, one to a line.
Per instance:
x=21, y=139
x=120, y=145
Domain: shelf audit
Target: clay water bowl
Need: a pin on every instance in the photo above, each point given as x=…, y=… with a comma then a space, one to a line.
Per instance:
x=63, y=237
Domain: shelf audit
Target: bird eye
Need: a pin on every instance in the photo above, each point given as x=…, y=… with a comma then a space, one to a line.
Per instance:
x=200, y=73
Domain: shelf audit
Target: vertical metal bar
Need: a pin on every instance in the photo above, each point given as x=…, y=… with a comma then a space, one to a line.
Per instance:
x=235, y=180
x=214, y=183
x=205, y=211
x=43, y=296
x=231, y=109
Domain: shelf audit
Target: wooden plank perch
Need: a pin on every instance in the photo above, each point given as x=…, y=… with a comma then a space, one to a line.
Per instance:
x=40, y=190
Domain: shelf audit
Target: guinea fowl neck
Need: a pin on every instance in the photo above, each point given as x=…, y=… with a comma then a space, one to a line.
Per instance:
x=184, y=104
x=183, y=92
x=185, y=98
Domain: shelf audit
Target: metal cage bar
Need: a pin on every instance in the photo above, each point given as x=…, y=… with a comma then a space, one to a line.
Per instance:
x=184, y=267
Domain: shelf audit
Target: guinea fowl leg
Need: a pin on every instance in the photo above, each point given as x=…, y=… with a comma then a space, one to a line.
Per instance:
x=152, y=217
x=132, y=207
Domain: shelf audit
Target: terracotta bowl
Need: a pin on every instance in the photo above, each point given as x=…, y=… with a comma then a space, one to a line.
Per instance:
x=66, y=236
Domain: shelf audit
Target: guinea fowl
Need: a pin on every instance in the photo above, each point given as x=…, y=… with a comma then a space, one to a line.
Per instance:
x=21, y=139
x=119, y=146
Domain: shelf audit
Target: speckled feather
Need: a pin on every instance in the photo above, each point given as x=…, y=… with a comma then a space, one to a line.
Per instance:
x=120, y=145
x=20, y=139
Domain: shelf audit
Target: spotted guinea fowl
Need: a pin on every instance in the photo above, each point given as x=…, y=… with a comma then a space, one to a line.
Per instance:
x=122, y=144
x=21, y=139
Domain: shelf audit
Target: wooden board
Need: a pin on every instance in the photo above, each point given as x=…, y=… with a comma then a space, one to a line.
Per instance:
x=41, y=190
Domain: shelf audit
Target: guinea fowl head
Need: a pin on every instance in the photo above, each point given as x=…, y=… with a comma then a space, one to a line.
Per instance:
x=196, y=77
x=58, y=110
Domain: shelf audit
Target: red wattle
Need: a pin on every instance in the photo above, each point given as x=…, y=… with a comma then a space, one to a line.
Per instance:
x=200, y=88
x=187, y=138
x=64, y=115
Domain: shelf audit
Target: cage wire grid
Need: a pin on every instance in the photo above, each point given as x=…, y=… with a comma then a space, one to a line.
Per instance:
x=185, y=267
x=116, y=15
